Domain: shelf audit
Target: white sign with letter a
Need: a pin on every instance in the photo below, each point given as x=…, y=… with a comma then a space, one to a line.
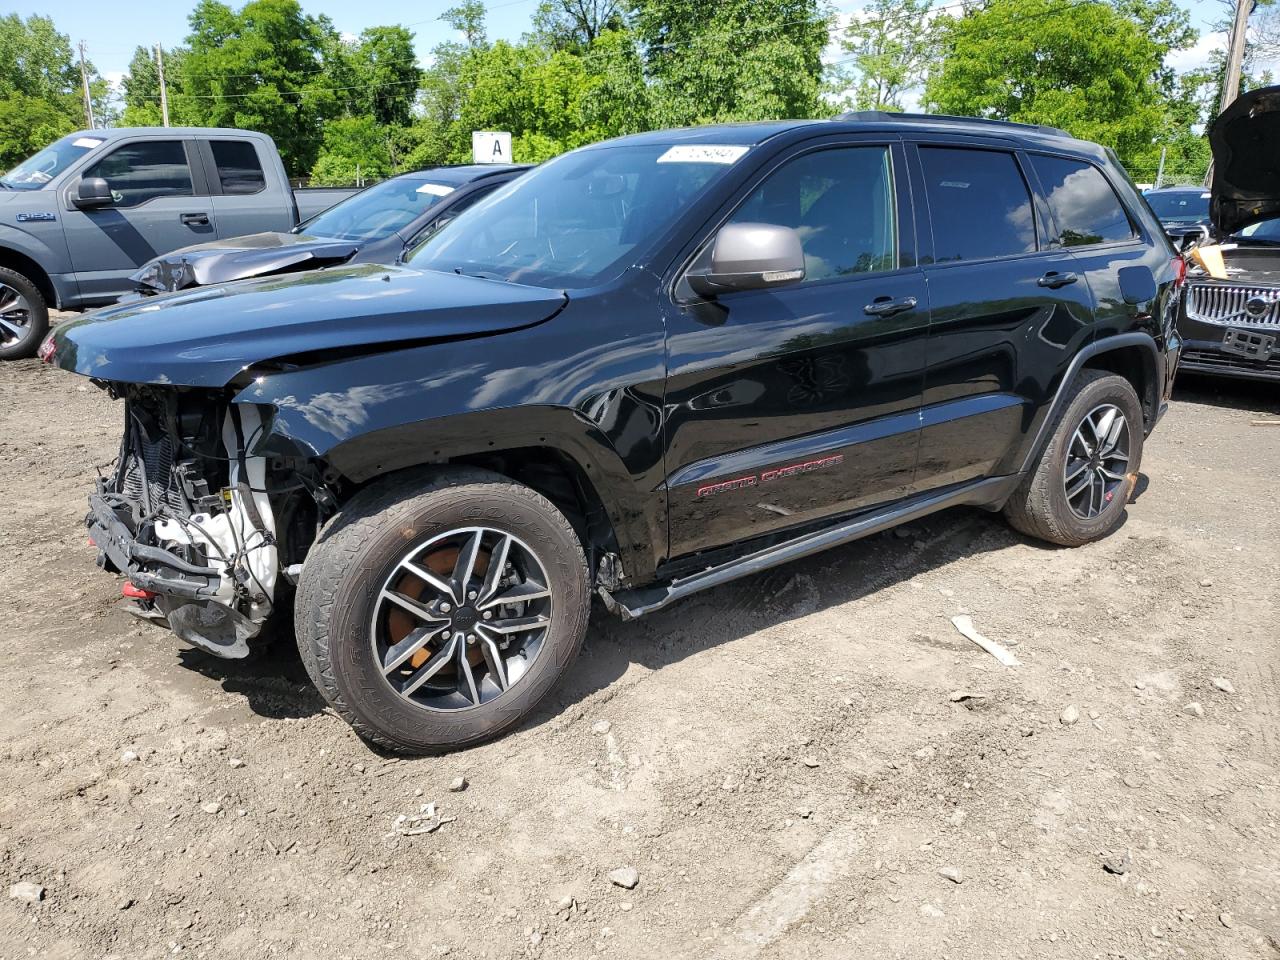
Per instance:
x=491, y=146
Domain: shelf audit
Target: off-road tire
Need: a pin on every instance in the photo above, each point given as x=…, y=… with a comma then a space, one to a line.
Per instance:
x=37, y=326
x=343, y=574
x=1038, y=507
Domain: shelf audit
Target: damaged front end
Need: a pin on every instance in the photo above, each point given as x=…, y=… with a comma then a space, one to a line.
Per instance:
x=203, y=528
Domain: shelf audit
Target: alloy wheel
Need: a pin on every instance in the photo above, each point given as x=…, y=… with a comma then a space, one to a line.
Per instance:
x=461, y=618
x=1097, y=461
x=15, y=315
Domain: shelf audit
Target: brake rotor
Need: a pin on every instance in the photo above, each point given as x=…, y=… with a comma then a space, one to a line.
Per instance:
x=441, y=562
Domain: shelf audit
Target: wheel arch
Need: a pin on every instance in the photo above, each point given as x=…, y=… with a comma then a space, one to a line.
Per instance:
x=1134, y=356
x=20, y=262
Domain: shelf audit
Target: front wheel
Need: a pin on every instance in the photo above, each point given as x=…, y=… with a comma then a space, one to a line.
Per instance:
x=1084, y=477
x=24, y=316
x=435, y=611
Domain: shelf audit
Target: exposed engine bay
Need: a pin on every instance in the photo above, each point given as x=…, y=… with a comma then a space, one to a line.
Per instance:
x=204, y=528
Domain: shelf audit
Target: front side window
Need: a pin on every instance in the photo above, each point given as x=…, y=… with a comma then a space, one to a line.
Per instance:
x=841, y=202
x=1082, y=202
x=581, y=219
x=34, y=172
x=139, y=172
x=979, y=204
x=239, y=170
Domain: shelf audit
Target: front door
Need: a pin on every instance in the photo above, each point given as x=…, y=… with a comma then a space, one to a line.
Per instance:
x=157, y=209
x=1008, y=308
x=791, y=404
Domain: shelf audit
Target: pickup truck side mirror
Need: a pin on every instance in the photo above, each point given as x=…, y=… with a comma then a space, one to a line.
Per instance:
x=93, y=192
x=750, y=256
x=1184, y=237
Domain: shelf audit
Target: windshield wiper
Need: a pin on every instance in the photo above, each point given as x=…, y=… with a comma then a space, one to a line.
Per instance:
x=481, y=275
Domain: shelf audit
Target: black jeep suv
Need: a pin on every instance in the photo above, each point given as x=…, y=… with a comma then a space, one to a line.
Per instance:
x=643, y=369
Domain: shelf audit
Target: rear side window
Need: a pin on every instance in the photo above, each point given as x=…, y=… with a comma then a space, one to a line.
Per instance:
x=138, y=172
x=1082, y=202
x=979, y=204
x=239, y=170
x=840, y=201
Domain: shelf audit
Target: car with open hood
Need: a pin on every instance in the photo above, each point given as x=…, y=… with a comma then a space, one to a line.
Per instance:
x=643, y=369
x=377, y=225
x=1230, y=319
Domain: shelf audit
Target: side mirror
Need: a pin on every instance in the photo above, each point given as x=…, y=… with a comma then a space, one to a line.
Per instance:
x=750, y=256
x=93, y=192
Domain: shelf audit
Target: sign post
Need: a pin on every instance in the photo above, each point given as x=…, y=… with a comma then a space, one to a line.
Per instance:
x=491, y=146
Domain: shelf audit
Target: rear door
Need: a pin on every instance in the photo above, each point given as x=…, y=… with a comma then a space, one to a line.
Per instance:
x=795, y=403
x=1008, y=307
x=243, y=201
x=160, y=204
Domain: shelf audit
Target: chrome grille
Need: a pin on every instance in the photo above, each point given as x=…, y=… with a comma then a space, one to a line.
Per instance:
x=1226, y=305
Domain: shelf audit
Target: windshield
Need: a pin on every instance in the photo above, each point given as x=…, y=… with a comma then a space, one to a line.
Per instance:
x=377, y=212
x=1180, y=207
x=34, y=172
x=576, y=221
x=1267, y=231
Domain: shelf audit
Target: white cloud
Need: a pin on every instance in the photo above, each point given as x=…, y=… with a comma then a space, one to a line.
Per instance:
x=1198, y=55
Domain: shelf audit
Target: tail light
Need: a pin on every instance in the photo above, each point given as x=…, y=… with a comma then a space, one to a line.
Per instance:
x=1179, y=272
x=48, y=351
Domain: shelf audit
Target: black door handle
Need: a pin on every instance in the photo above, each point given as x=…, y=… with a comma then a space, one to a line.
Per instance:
x=195, y=219
x=1053, y=280
x=884, y=307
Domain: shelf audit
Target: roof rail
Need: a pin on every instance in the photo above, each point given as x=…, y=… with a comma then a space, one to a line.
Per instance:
x=882, y=115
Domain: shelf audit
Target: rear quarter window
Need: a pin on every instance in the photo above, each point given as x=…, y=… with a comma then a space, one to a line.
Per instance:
x=239, y=170
x=1082, y=202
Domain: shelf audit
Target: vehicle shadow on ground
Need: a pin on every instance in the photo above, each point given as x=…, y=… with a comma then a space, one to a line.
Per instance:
x=722, y=615
x=275, y=684
x=1227, y=392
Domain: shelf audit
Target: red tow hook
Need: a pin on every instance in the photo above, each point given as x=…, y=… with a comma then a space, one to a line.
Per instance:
x=136, y=593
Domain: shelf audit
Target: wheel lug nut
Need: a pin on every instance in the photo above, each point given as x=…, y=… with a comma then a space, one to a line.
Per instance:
x=445, y=608
x=471, y=638
x=471, y=595
x=447, y=634
x=488, y=614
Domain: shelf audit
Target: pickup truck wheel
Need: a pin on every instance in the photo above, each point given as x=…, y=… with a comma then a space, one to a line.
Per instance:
x=437, y=609
x=1084, y=477
x=24, y=316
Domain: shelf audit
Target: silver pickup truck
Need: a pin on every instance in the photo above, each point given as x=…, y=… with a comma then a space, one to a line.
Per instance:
x=83, y=214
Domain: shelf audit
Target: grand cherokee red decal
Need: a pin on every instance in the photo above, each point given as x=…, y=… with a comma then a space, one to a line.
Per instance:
x=768, y=476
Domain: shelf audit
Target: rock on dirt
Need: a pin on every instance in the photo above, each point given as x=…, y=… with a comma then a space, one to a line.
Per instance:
x=601, y=727
x=1193, y=709
x=1223, y=684
x=458, y=784
x=26, y=891
x=1070, y=716
x=625, y=877
x=951, y=873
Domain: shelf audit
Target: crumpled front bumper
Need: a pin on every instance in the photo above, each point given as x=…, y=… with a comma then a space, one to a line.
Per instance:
x=182, y=592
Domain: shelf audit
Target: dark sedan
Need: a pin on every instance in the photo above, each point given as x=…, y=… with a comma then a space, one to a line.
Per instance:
x=376, y=225
x=1180, y=206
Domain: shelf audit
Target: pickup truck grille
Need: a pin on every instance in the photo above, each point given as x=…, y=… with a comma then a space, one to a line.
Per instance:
x=1227, y=305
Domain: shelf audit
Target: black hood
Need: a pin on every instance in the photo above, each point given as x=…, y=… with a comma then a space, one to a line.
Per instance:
x=257, y=255
x=1245, y=141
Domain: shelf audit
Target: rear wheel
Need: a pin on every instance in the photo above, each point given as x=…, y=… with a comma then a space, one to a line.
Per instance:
x=24, y=316
x=1084, y=477
x=435, y=612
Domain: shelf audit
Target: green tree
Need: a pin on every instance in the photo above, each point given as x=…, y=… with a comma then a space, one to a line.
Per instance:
x=355, y=149
x=1093, y=69
x=40, y=90
x=262, y=67
x=575, y=24
x=891, y=44
x=142, y=90
x=733, y=60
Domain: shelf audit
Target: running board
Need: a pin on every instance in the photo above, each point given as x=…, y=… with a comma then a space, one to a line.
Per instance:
x=632, y=604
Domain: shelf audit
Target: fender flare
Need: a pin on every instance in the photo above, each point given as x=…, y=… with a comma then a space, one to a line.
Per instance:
x=1154, y=362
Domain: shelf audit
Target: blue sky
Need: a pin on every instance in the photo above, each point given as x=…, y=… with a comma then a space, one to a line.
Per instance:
x=112, y=31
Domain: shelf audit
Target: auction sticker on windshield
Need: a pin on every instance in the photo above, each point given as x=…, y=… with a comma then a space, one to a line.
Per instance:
x=436, y=189
x=703, y=154
x=87, y=143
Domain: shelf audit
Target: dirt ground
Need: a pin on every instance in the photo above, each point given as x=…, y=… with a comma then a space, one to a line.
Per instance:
x=784, y=761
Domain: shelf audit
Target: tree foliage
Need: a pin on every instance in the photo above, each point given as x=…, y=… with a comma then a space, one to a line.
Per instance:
x=1093, y=69
x=891, y=44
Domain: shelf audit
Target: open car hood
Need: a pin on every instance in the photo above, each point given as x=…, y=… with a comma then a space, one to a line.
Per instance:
x=1245, y=140
x=257, y=255
x=205, y=337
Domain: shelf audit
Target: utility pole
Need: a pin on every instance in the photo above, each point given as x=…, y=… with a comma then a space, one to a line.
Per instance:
x=84, y=80
x=164, y=94
x=1160, y=172
x=1235, y=54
